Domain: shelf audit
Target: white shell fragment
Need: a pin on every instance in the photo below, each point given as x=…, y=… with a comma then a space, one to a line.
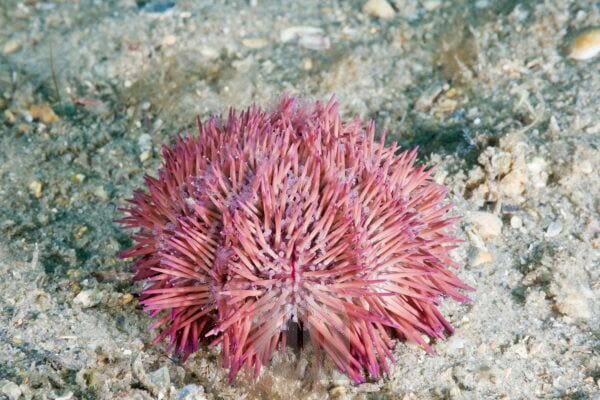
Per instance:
x=586, y=45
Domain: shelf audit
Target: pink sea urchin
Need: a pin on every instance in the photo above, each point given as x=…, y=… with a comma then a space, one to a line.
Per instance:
x=268, y=218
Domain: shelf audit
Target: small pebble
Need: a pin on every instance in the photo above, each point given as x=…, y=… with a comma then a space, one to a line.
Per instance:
x=157, y=6
x=337, y=392
x=255, y=43
x=43, y=112
x=78, y=178
x=586, y=45
x=11, y=46
x=553, y=229
x=36, y=188
x=314, y=42
x=100, y=193
x=88, y=298
x=191, y=392
x=482, y=257
x=296, y=32
x=486, y=224
x=431, y=5
x=11, y=390
x=379, y=8
x=126, y=298
x=169, y=40
x=80, y=232
x=307, y=64
x=574, y=304
x=161, y=379
x=145, y=155
x=9, y=116
x=516, y=222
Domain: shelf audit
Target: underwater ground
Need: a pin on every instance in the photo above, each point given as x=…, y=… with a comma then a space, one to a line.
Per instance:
x=90, y=91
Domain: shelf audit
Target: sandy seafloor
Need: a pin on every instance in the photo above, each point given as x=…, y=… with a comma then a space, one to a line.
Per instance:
x=90, y=90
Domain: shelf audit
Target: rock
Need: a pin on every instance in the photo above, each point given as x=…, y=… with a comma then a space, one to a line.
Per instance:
x=144, y=142
x=88, y=298
x=255, y=43
x=537, y=170
x=486, y=224
x=10, y=390
x=43, y=112
x=337, y=392
x=482, y=257
x=66, y=396
x=169, y=40
x=11, y=46
x=36, y=188
x=573, y=303
x=126, y=298
x=379, y=8
x=9, y=116
x=296, y=32
x=516, y=222
x=314, y=42
x=161, y=380
x=191, y=392
x=553, y=229
x=513, y=184
x=100, y=193
x=586, y=45
x=145, y=155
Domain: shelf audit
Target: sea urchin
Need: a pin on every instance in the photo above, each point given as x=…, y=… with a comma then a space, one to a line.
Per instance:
x=269, y=218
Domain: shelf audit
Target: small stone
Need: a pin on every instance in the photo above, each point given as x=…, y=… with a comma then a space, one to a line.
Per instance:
x=145, y=155
x=586, y=45
x=537, y=169
x=585, y=167
x=161, y=380
x=80, y=232
x=513, y=184
x=78, y=178
x=314, y=42
x=88, y=298
x=482, y=257
x=553, y=229
x=23, y=128
x=100, y=193
x=337, y=392
x=521, y=350
x=66, y=396
x=36, y=189
x=379, y=8
x=169, y=40
x=9, y=116
x=296, y=32
x=255, y=43
x=431, y=5
x=486, y=224
x=145, y=142
x=43, y=112
x=516, y=222
x=574, y=304
x=209, y=52
x=11, y=46
x=126, y=298
x=11, y=390
x=191, y=392
x=307, y=64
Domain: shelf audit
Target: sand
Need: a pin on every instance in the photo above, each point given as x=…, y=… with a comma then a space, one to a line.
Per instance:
x=90, y=91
